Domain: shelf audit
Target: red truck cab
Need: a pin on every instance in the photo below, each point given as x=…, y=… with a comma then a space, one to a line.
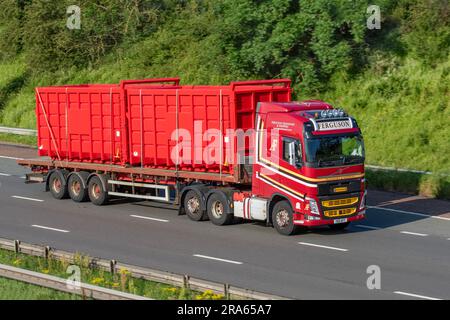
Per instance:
x=308, y=165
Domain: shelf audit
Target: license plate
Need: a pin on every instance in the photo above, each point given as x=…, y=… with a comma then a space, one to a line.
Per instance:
x=337, y=221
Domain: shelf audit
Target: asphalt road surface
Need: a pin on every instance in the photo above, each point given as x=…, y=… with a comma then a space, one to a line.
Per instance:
x=407, y=237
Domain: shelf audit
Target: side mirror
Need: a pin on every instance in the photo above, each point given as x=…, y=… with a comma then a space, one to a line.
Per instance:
x=292, y=155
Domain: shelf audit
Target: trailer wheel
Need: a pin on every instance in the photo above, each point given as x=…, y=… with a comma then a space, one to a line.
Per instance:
x=339, y=226
x=283, y=218
x=97, y=194
x=192, y=206
x=57, y=185
x=216, y=210
x=77, y=191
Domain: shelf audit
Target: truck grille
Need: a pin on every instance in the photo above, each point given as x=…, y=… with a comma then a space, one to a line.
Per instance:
x=339, y=202
x=339, y=212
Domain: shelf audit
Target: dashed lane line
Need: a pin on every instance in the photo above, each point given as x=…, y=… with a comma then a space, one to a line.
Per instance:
x=217, y=259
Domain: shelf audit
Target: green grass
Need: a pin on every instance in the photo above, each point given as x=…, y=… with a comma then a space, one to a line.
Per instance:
x=398, y=89
x=403, y=111
x=16, y=290
x=10, y=71
x=404, y=114
x=13, y=138
x=435, y=185
x=121, y=281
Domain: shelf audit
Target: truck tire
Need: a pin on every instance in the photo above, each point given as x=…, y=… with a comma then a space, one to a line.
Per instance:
x=339, y=226
x=58, y=186
x=217, y=213
x=192, y=206
x=283, y=218
x=97, y=193
x=77, y=190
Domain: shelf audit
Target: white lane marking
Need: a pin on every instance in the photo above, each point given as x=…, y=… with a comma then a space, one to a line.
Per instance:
x=25, y=198
x=217, y=259
x=415, y=295
x=5, y=174
x=321, y=246
x=48, y=228
x=10, y=158
x=367, y=227
x=148, y=218
x=414, y=233
x=410, y=212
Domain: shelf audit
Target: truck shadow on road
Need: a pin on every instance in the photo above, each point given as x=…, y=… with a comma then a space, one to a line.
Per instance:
x=384, y=215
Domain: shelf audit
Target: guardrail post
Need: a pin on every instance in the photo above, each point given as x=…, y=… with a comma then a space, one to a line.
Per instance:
x=226, y=291
x=112, y=266
x=46, y=252
x=186, y=283
x=16, y=246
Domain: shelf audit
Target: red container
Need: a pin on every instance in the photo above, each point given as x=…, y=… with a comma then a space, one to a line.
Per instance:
x=81, y=123
x=135, y=122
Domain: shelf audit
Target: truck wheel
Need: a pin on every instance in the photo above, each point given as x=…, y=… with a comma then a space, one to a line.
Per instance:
x=216, y=210
x=97, y=194
x=58, y=188
x=339, y=226
x=77, y=191
x=192, y=206
x=283, y=219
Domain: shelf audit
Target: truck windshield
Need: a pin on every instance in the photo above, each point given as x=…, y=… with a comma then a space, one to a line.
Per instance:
x=333, y=151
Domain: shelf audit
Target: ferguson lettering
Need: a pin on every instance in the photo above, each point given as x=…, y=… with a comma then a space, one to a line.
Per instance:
x=334, y=125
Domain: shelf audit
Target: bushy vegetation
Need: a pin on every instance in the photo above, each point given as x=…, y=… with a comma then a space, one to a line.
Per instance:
x=395, y=81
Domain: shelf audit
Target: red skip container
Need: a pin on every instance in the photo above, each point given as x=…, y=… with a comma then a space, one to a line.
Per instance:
x=134, y=123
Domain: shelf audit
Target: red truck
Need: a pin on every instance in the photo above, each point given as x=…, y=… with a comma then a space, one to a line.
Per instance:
x=242, y=151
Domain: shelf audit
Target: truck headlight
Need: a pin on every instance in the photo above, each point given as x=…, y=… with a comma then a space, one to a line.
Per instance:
x=314, y=209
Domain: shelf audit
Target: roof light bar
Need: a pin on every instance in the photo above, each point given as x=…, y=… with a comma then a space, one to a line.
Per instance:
x=332, y=113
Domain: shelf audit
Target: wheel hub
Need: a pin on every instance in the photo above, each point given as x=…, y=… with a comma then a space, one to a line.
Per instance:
x=217, y=209
x=96, y=191
x=282, y=218
x=193, y=205
x=76, y=187
x=57, y=185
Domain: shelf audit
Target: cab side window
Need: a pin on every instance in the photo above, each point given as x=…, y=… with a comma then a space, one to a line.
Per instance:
x=292, y=151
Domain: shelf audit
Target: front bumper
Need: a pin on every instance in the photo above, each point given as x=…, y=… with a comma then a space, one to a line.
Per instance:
x=302, y=220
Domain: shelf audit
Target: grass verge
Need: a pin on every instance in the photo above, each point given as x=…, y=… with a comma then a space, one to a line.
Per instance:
x=16, y=290
x=90, y=274
x=429, y=185
x=13, y=138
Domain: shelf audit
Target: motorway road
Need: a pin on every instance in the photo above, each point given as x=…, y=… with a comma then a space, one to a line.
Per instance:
x=411, y=247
